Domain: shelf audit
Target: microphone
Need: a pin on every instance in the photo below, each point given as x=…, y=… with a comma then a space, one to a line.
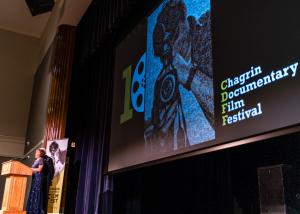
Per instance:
x=26, y=157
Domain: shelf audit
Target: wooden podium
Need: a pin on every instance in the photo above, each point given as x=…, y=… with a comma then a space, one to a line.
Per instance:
x=16, y=175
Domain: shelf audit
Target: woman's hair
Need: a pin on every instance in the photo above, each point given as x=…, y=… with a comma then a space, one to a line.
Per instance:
x=42, y=151
x=172, y=13
x=53, y=146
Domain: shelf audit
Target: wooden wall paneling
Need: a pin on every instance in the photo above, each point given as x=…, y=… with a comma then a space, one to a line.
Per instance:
x=61, y=70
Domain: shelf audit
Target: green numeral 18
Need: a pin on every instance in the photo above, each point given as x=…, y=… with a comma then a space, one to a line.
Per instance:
x=127, y=114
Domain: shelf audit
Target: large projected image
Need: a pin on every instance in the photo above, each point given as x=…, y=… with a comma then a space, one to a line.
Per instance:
x=192, y=75
x=179, y=95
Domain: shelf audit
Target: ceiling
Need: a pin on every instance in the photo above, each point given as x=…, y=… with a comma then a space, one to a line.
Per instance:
x=15, y=16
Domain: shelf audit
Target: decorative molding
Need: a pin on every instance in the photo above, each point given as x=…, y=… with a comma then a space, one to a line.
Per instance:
x=11, y=146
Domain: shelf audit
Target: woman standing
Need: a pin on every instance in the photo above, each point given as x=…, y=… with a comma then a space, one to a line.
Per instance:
x=35, y=199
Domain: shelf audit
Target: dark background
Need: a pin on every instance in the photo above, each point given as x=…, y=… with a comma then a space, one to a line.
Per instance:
x=220, y=182
x=256, y=33
x=209, y=183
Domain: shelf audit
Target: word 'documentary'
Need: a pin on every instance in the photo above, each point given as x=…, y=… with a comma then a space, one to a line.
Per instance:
x=234, y=110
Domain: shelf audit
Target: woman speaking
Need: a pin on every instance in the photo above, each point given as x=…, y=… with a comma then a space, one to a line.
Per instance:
x=35, y=199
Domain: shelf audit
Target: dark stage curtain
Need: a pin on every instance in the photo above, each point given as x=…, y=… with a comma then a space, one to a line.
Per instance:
x=90, y=130
x=218, y=183
x=108, y=20
x=88, y=124
x=100, y=23
x=89, y=109
x=190, y=186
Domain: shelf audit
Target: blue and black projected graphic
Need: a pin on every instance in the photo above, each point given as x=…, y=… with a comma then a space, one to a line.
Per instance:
x=179, y=96
x=199, y=73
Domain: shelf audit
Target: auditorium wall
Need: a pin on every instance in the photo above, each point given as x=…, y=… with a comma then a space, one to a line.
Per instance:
x=18, y=54
x=39, y=103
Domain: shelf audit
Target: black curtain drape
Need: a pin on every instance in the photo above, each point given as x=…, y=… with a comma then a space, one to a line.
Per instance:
x=221, y=182
x=90, y=129
x=88, y=122
x=108, y=20
x=194, y=185
x=90, y=105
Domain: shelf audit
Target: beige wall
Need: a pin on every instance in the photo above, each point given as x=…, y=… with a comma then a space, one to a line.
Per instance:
x=18, y=58
x=39, y=103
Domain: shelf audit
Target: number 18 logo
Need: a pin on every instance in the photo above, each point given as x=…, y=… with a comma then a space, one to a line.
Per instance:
x=134, y=89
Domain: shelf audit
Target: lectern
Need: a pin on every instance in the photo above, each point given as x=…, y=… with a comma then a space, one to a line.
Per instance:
x=16, y=175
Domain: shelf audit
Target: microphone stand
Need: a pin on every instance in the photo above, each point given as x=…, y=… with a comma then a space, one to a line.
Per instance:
x=21, y=158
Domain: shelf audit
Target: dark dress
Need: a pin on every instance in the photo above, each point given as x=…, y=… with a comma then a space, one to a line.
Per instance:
x=35, y=199
x=48, y=172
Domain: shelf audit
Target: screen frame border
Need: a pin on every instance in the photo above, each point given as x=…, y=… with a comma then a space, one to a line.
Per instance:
x=201, y=150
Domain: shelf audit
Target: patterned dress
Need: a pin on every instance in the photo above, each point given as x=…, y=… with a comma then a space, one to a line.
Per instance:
x=35, y=199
